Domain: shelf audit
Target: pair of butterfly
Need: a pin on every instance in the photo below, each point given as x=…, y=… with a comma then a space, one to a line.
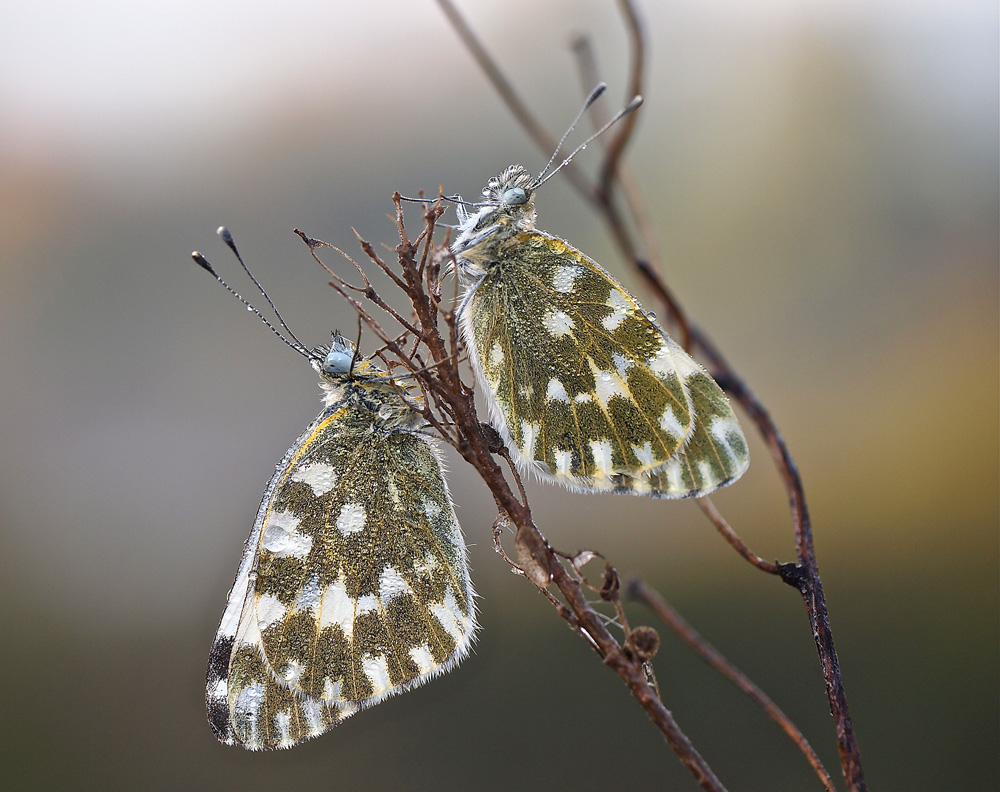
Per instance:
x=354, y=583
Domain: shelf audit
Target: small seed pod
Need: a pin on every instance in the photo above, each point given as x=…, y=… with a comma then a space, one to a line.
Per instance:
x=643, y=643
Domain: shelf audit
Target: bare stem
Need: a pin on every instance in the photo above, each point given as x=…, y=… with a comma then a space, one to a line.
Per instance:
x=706, y=505
x=646, y=594
x=804, y=575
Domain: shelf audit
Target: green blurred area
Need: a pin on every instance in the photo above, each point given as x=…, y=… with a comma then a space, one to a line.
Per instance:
x=826, y=202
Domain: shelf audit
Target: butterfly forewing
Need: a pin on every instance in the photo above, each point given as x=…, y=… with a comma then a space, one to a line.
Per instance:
x=359, y=585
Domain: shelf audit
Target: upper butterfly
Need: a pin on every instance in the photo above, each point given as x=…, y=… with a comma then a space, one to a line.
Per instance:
x=354, y=583
x=586, y=390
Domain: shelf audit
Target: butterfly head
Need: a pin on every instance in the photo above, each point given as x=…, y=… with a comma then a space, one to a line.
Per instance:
x=340, y=361
x=511, y=191
x=508, y=208
x=345, y=374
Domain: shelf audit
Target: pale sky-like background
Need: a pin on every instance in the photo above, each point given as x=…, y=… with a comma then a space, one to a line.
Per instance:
x=823, y=180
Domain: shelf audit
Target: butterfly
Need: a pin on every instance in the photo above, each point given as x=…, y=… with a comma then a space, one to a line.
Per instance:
x=354, y=583
x=584, y=387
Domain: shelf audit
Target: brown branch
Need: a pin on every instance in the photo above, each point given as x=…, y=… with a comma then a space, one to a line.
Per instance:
x=706, y=505
x=541, y=137
x=646, y=594
x=628, y=184
x=623, y=134
x=441, y=380
x=805, y=574
x=475, y=448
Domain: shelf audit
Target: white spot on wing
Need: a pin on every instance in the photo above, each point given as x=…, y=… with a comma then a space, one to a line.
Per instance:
x=563, y=460
x=248, y=704
x=708, y=474
x=367, y=604
x=426, y=565
x=421, y=655
x=675, y=476
x=269, y=610
x=671, y=359
x=337, y=608
x=619, y=310
x=431, y=509
x=564, y=277
x=530, y=433
x=220, y=691
x=308, y=597
x=582, y=398
x=321, y=477
x=606, y=385
x=556, y=391
x=391, y=584
x=558, y=323
x=313, y=711
x=291, y=672
x=721, y=429
x=601, y=449
x=331, y=690
x=496, y=355
x=351, y=518
x=450, y=616
x=283, y=721
x=621, y=364
x=377, y=671
x=670, y=424
x=644, y=454
x=282, y=538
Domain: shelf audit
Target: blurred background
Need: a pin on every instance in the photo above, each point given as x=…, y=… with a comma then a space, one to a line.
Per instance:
x=823, y=180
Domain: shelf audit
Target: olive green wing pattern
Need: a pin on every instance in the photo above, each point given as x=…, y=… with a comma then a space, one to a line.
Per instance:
x=354, y=585
x=585, y=388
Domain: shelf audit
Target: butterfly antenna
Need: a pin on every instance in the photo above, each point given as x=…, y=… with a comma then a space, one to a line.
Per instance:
x=599, y=89
x=223, y=232
x=203, y=262
x=357, y=347
x=636, y=101
x=455, y=199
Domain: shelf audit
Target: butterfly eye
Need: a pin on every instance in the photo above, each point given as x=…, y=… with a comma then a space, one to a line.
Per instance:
x=515, y=196
x=337, y=362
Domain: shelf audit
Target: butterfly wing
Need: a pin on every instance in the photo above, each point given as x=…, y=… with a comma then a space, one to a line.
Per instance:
x=587, y=391
x=354, y=584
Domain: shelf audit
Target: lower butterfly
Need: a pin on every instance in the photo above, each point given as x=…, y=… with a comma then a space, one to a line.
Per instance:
x=354, y=583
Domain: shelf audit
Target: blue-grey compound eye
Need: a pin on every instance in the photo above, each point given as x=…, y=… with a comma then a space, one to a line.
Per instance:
x=337, y=362
x=515, y=196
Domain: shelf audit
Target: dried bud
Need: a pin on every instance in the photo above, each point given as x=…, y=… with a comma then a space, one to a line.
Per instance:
x=493, y=439
x=643, y=643
x=610, y=586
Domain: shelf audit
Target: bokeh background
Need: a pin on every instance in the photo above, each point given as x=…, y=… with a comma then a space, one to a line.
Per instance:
x=823, y=180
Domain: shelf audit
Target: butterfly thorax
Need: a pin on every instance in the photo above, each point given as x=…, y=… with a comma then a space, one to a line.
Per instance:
x=508, y=210
x=391, y=407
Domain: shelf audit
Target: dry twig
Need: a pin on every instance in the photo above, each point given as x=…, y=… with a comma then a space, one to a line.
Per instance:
x=804, y=573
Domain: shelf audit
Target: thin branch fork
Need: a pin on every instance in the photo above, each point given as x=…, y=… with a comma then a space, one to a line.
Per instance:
x=646, y=594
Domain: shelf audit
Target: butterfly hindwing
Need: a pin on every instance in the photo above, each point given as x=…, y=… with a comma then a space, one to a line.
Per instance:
x=585, y=388
x=354, y=584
